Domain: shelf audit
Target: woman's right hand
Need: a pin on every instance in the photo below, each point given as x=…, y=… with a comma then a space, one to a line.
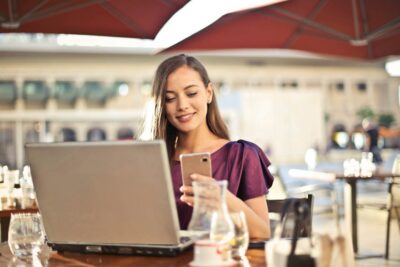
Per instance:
x=187, y=195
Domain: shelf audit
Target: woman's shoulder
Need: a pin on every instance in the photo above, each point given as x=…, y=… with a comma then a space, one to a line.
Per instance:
x=243, y=146
x=244, y=149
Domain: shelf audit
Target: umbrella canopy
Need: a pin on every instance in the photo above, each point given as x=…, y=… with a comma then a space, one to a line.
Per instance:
x=122, y=18
x=364, y=29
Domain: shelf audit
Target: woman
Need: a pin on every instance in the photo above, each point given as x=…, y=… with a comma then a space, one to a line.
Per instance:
x=187, y=118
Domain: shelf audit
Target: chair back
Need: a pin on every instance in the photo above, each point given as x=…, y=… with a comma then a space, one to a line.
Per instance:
x=396, y=164
x=305, y=229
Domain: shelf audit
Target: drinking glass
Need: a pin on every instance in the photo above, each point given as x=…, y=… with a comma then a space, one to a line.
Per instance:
x=10, y=177
x=25, y=235
x=240, y=242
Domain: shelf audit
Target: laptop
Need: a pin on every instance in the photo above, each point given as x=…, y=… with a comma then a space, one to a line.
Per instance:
x=107, y=197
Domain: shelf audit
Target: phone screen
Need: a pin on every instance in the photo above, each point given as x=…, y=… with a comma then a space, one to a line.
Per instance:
x=199, y=163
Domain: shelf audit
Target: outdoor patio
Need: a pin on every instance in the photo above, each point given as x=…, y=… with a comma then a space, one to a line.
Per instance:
x=372, y=227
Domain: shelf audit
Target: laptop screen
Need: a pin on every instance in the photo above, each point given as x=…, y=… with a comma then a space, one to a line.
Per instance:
x=105, y=192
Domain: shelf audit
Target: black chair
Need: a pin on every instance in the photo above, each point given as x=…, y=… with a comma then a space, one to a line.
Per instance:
x=276, y=205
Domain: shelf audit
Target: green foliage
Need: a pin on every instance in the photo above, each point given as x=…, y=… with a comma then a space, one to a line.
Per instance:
x=386, y=119
x=365, y=112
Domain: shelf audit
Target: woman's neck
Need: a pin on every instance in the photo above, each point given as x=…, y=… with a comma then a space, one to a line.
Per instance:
x=193, y=142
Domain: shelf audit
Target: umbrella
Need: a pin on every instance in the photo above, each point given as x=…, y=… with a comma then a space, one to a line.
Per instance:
x=122, y=18
x=364, y=29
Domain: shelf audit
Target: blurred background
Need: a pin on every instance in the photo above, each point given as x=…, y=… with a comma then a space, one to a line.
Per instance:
x=296, y=77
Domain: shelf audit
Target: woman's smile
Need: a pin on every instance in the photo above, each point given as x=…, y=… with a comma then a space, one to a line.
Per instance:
x=185, y=117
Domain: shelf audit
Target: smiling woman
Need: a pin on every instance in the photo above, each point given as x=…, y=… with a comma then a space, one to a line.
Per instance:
x=186, y=116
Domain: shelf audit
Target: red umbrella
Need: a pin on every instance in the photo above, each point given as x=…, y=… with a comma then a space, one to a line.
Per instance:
x=365, y=29
x=123, y=18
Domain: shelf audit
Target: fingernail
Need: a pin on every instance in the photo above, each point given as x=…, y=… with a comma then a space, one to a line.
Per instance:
x=181, y=188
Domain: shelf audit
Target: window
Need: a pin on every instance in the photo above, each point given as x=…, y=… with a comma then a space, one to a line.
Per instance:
x=65, y=91
x=35, y=91
x=96, y=134
x=8, y=91
x=95, y=91
x=120, y=88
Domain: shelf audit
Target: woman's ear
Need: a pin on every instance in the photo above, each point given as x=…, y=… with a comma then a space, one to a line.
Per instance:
x=210, y=92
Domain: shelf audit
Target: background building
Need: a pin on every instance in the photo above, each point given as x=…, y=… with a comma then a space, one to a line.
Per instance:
x=285, y=105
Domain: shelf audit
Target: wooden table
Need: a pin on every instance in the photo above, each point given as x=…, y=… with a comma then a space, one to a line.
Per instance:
x=256, y=258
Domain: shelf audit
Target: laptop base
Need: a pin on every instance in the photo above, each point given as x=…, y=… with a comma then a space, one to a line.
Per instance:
x=122, y=250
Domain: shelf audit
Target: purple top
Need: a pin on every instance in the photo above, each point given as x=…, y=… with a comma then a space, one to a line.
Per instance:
x=242, y=163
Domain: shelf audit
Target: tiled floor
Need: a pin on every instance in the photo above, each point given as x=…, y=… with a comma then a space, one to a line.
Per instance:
x=372, y=230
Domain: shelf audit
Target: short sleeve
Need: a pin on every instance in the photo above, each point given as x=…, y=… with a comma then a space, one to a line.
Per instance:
x=255, y=179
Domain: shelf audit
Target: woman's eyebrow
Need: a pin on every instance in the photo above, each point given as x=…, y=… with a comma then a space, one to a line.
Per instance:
x=189, y=86
x=184, y=88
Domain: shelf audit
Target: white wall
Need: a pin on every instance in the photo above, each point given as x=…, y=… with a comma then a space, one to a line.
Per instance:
x=289, y=121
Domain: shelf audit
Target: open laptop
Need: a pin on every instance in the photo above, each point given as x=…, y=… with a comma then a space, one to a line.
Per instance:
x=107, y=197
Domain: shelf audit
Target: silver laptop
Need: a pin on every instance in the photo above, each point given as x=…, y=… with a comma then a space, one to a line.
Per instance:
x=107, y=197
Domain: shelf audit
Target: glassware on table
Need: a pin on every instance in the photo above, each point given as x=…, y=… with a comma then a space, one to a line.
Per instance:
x=10, y=178
x=240, y=242
x=211, y=216
x=206, y=202
x=221, y=228
x=210, y=212
x=25, y=235
x=28, y=192
x=367, y=167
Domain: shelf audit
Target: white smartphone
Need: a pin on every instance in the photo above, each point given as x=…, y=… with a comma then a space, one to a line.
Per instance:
x=199, y=163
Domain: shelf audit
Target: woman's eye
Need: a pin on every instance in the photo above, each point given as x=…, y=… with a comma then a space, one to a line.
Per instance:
x=192, y=94
x=169, y=99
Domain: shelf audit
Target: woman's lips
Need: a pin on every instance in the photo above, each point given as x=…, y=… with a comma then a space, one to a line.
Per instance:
x=185, y=118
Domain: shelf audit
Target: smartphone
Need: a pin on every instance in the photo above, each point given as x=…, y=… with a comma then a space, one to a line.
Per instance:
x=195, y=163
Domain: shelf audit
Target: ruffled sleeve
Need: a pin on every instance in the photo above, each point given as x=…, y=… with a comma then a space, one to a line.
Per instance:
x=249, y=175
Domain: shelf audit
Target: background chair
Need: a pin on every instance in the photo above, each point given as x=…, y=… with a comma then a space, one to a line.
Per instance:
x=275, y=206
x=393, y=206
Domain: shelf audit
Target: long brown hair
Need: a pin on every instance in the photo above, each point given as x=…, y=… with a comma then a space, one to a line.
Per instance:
x=162, y=128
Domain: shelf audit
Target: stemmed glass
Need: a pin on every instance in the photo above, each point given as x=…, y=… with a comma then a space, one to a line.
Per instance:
x=240, y=242
x=26, y=235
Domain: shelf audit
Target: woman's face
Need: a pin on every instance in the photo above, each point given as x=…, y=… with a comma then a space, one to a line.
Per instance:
x=186, y=100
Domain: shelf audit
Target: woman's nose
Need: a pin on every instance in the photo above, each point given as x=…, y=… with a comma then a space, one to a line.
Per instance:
x=182, y=103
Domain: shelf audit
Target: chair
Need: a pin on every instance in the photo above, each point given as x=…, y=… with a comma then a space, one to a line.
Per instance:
x=276, y=205
x=323, y=190
x=393, y=206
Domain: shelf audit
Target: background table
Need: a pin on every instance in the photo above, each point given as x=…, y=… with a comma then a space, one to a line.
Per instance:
x=350, y=201
x=256, y=258
x=5, y=215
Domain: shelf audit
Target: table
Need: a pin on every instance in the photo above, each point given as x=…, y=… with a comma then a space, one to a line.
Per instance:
x=350, y=195
x=256, y=258
x=350, y=201
x=5, y=215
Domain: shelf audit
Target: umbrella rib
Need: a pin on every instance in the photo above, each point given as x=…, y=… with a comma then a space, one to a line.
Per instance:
x=62, y=8
x=383, y=30
x=299, y=29
x=169, y=3
x=124, y=19
x=364, y=16
x=355, y=18
x=33, y=10
x=311, y=23
x=365, y=26
x=11, y=9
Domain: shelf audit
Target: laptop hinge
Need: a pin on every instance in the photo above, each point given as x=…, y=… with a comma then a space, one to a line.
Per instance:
x=96, y=249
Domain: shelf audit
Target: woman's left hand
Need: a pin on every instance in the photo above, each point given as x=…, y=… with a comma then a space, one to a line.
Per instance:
x=187, y=190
